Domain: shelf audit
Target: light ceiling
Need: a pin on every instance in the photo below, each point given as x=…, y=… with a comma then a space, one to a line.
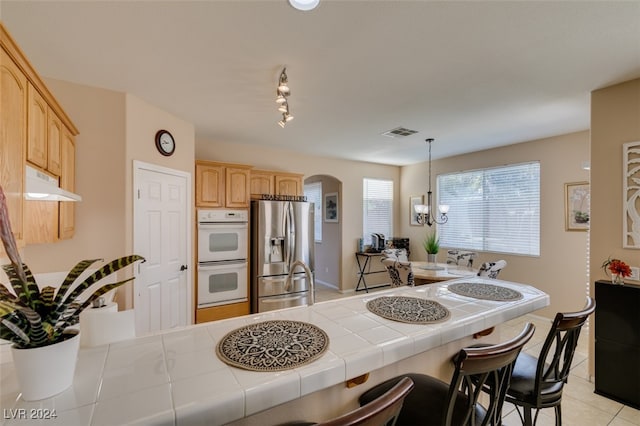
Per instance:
x=473, y=75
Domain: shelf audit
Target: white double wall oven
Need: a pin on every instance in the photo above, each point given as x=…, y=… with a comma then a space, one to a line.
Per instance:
x=222, y=256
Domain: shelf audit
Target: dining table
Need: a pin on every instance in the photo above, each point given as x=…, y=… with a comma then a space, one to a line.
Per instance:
x=429, y=272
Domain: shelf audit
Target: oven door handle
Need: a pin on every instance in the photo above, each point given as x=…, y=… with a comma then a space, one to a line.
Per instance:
x=207, y=266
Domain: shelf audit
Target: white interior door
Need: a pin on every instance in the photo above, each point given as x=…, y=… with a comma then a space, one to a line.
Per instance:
x=162, y=288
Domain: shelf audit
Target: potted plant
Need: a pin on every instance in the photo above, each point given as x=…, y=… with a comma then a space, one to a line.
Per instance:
x=37, y=321
x=619, y=270
x=432, y=246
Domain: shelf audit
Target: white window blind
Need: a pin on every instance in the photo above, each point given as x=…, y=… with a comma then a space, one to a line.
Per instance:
x=313, y=192
x=496, y=209
x=377, y=208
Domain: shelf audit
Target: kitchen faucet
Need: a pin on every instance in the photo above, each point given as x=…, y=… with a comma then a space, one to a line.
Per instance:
x=307, y=271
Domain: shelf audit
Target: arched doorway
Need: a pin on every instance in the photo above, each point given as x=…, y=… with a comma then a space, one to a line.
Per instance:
x=328, y=244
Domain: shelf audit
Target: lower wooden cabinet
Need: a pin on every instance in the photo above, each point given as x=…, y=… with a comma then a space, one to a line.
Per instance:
x=222, y=312
x=617, y=343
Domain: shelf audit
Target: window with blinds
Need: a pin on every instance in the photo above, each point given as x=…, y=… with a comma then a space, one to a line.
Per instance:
x=377, y=208
x=496, y=209
x=313, y=192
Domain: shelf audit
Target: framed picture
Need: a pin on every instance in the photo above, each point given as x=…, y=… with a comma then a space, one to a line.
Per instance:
x=414, y=200
x=331, y=207
x=576, y=206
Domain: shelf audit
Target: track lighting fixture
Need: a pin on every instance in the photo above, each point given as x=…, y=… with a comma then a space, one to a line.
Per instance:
x=282, y=93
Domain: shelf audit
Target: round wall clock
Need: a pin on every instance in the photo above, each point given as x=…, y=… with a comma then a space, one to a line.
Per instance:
x=165, y=142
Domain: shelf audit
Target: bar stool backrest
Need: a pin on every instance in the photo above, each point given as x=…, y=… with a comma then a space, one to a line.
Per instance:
x=383, y=410
x=488, y=369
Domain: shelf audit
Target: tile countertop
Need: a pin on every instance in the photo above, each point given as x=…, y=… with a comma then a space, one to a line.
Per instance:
x=175, y=377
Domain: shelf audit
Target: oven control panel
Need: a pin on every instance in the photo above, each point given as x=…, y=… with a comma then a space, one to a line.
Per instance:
x=222, y=215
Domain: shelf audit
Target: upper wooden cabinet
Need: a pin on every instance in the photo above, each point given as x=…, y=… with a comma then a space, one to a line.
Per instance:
x=54, y=140
x=222, y=185
x=288, y=184
x=67, y=217
x=33, y=127
x=37, y=129
x=13, y=140
x=275, y=183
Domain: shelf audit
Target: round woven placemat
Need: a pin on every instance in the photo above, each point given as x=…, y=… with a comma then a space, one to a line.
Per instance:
x=485, y=291
x=273, y=345
x=408, y=309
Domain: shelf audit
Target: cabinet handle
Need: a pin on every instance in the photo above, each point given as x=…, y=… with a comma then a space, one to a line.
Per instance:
x=183, y=268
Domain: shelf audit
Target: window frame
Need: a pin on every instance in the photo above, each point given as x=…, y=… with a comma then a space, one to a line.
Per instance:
x=495, y=188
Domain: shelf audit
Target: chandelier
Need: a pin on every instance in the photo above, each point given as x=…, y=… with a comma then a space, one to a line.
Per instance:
x=282, y=95
x=426, y=214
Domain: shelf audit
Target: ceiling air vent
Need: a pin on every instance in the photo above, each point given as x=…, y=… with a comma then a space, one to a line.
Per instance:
x=399, y=132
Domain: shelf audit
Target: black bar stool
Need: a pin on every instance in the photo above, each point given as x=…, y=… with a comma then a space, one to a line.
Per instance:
x=434, y=402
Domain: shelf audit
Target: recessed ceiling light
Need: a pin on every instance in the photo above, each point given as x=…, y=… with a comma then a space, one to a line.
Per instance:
x=304, y=4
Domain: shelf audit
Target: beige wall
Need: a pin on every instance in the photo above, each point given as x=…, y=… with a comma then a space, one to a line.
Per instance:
x=350, y=173
x=615, y=120
x=561, y=268
x=115, y=129
x=99, y=115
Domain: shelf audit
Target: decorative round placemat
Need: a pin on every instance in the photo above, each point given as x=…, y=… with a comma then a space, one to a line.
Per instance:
x=485, y=291
x=408, y=309
x=273, y=345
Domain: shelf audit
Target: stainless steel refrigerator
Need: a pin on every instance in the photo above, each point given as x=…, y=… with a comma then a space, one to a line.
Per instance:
x=281, y=234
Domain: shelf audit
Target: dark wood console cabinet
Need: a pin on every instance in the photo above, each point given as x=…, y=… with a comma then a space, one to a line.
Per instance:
x=617, y=342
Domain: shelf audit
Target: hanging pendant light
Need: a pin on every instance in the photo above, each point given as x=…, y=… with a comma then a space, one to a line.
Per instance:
x=426, y=213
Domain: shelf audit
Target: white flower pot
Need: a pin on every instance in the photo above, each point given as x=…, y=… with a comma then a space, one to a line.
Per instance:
x=46, y=371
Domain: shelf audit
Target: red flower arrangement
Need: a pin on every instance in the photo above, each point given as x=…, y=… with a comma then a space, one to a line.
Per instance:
x=618, y=267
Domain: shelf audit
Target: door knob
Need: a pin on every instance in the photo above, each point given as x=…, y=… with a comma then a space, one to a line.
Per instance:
x=183, y=268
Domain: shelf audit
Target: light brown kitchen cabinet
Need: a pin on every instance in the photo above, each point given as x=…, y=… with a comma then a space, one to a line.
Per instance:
x=37, y=129
x=209, y=185
x=288, y=184
x=67, y=212
x=54, y=138
x=13, y=140
x=262, y=182
x=275, y=183
x=222, y=185
x=33, y=129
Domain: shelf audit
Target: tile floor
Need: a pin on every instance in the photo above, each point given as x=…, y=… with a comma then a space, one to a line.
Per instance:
x=580, y=405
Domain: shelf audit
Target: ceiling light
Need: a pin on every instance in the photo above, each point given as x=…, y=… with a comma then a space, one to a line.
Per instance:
x=426, y=213
x=283, y=107
x=281, y=123
x=280, y=99
x=304, y=5
x=288, y=117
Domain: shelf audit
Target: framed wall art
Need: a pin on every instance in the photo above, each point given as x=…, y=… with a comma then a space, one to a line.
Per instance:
x=331, y=207
x=414, y=201
x=631, y=195
x=577, y=196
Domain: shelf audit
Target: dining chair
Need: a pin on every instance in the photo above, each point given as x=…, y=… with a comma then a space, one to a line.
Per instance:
x=537, y=383
x=396, y=253
x=456, y=257
x=434, y=402
x=491, y=269
x=381, y=411
x=400, y=272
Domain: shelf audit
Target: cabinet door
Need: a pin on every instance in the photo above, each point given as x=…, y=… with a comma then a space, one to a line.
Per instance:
x=13, y=139
x=37, y=128
x=54, y=136
x=237, y=187
x=209, y=185
x=67, y=220
x=262, y=183
x=288, y=185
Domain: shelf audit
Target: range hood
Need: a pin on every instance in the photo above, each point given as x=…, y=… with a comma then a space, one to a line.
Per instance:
x=40, y=186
